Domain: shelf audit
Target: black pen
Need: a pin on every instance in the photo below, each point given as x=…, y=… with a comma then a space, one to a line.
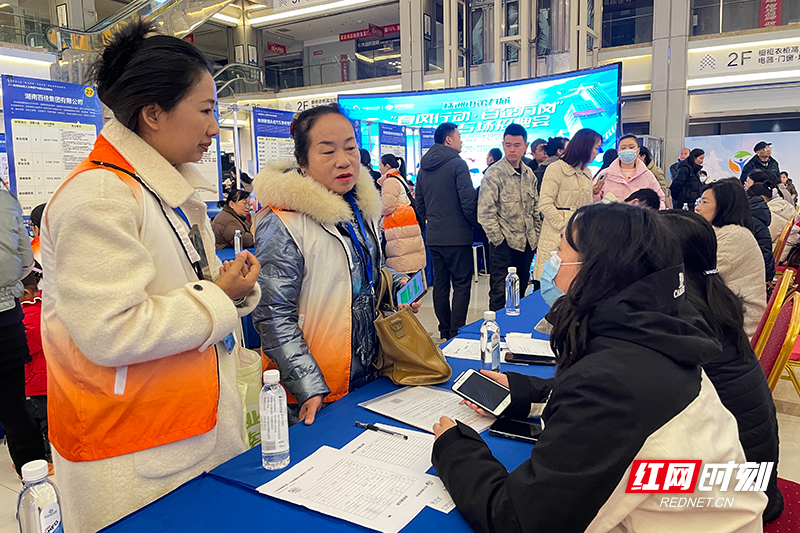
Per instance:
x=376, y=428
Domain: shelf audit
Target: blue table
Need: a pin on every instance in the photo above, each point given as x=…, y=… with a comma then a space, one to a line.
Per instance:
x=228, y=254
x=226, y=500
x=531, y=309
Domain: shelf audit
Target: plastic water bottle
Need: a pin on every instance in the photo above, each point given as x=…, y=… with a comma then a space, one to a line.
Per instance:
x=512, y=292
x=490, y=342
x=274, y=423
x=685, y=207
x=39, y=505
x=237, y=241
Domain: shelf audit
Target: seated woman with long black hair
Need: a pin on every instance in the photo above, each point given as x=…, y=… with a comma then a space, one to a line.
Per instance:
x=629, y=386
x=736, y=374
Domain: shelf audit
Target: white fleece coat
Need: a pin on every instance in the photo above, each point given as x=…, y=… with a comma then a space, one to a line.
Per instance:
x=105, y=285
x=741, y=266
x=782, y=212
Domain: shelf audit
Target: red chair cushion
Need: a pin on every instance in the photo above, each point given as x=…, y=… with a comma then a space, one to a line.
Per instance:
x=776, y=338
x=789, y=521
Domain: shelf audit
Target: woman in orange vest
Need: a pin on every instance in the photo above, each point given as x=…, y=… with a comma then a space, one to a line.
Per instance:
x=405, y=249
x=142, y=393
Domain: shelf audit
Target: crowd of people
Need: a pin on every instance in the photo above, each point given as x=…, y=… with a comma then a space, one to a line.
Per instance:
x=651, y=309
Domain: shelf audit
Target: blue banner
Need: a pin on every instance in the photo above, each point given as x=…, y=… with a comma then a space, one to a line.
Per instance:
x=3, y=159
x=50, y=127
x=272, y=138
x=426, y=138
x=391, y=135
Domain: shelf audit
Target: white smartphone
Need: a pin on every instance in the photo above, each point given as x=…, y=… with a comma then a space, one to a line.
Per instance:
x=484, y=392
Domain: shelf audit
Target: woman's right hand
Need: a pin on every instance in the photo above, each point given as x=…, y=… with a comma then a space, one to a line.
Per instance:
x=597, y=188
x=502, y=379
x=238, y=277
x=309, y=410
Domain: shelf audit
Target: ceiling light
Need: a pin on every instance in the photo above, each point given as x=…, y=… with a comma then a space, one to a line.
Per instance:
x=306, y=11
x=739, y=45
x=738, y=78
x=636, y=88
x=225, y=18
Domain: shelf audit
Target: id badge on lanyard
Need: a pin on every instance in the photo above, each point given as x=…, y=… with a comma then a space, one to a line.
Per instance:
x=192, y=242
x=365, y=255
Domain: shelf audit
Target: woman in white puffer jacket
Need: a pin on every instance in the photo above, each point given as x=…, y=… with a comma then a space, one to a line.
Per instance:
x=739, y=260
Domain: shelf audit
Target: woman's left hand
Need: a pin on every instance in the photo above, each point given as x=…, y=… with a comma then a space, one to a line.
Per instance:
x=443, y=425
x=414, y=305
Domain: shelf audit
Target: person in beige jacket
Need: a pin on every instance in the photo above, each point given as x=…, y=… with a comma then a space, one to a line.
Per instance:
x=739, y=261
x=142, y=393
x=567, y=185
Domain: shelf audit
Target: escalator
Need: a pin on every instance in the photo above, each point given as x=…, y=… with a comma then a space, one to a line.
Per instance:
x=79, y=48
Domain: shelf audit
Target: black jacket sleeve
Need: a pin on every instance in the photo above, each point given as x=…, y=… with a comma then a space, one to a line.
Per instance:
x=764, y=239
x=419, y=202
x=526, y=390
x=748, y=168
x=591, y=437
x=466, y=192
x=678, y=186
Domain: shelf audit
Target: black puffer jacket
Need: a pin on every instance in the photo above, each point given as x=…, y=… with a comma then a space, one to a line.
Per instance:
x=638, y=392
x=686, y=187
x=446, y=198
x=756, y=163
x=742, y=387
x=762, y=218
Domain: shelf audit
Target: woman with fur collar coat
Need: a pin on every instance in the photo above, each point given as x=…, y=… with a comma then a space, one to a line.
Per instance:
x=317, y=239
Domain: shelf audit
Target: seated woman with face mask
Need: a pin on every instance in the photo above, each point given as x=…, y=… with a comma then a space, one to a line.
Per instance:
x=628, y=386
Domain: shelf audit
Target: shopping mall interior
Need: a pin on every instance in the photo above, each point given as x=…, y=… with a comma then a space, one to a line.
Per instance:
x=718, y=75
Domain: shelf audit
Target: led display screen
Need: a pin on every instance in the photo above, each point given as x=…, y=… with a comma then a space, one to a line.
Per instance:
x=547, y=107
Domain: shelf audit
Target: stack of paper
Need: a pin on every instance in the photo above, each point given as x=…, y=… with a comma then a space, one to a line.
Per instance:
x=528, y=346
x=361, y=490
x=422, y=407
x=467, y=349
x=413, y=453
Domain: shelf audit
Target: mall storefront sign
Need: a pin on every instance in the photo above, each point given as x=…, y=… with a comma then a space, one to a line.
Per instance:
x=741, y=63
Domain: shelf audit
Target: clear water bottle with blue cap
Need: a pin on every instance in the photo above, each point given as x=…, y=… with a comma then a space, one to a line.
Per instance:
x=490, y=342
x=512, y=292
x=274, y=423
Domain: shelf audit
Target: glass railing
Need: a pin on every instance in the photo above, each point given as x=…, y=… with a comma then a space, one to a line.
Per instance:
x=235, y=79
x=329, y=72
x=174, y=17
x=23, y=27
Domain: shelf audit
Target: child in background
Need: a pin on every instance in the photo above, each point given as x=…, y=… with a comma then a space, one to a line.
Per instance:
x=36, y=370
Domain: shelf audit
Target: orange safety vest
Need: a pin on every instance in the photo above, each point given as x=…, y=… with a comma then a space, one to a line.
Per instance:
x=403, y=215
x=92, y=413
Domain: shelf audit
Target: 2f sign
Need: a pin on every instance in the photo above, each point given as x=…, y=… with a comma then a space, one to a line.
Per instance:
x=737, y=59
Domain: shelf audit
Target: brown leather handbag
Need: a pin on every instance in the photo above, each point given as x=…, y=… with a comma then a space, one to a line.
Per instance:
x=407, y=355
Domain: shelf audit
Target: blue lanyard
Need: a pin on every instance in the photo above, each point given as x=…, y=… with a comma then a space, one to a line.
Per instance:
x=366, y=258
x=183, y=216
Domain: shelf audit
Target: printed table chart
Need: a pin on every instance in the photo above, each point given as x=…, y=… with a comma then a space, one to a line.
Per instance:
x=271, y=149
x=44, y=154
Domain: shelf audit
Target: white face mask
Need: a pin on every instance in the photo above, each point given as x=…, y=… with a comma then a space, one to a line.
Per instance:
x=628, y=156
